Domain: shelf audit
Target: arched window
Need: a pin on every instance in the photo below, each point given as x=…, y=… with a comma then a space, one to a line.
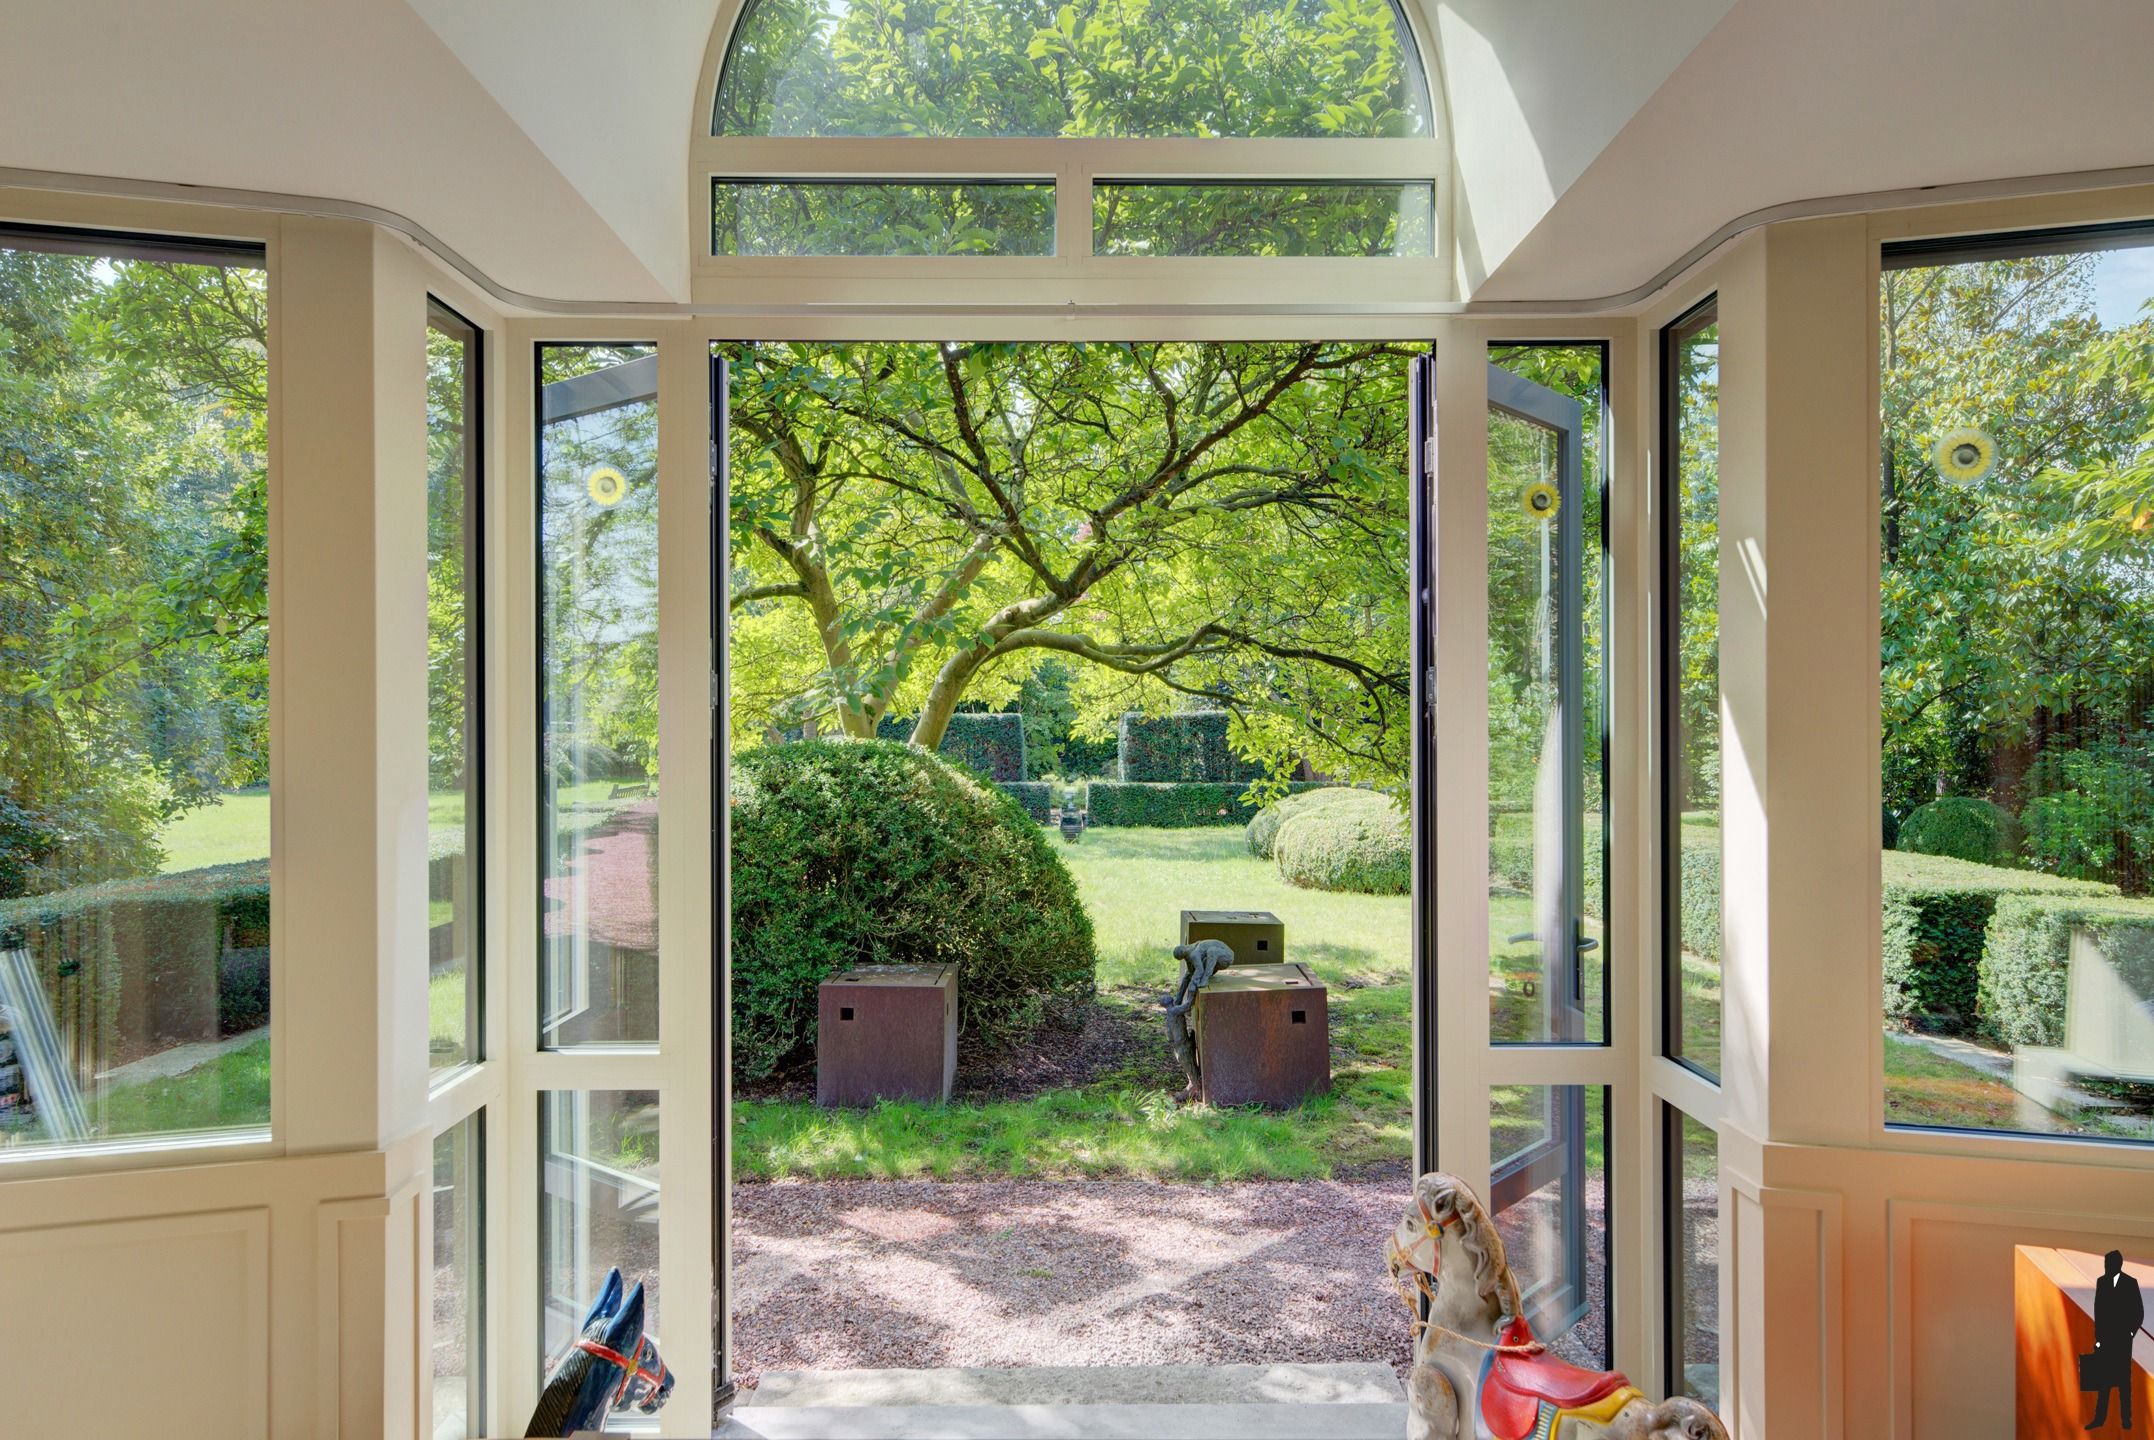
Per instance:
x=1082, y=132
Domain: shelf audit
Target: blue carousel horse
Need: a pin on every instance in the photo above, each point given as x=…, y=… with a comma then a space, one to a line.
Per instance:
x=611, y=1366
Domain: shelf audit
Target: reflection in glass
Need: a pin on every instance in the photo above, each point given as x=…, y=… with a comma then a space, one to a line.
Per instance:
x=1692, y=692
x=1692, y=1198
x=1548, y=1192
x=459, y=1278
x=1245, y=217
x=598, y=634
x=453, y=685
x=134, y=689
x=2016, y=615
x=599, y=1172
x=1547, y=840
x=1314, y=68
x=861, y=217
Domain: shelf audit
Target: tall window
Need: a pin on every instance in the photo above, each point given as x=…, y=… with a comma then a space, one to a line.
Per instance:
x=2017, y=657
x=1690, y=686
x=957, y=82
x=134, y=689
x=1691, y=1244
x=454, y=686
x=598, y=692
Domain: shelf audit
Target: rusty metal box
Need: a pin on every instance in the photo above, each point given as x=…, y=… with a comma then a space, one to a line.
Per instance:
x=1263, y=1036
x=886, y=1032
x=1257, y=937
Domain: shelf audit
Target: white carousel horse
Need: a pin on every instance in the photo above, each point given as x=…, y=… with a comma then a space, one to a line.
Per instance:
x=1478, y=1373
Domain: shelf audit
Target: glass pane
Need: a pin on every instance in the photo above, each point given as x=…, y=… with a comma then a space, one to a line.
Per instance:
x=598, y=1154
x=1252, y=218
x=459, y=1278
x=1547, y=838
x=1693, y=694
x=1693, y=1249
x=453, y=684
x=1548, y=1192
x=1101, y=68
x=598, y=634
x=134, y=691
x=849, y=217
x=2017, y=618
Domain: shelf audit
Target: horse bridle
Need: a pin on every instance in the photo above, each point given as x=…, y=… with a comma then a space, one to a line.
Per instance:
x=631, y=1370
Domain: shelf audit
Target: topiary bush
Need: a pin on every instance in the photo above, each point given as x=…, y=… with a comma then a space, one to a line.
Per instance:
x=1361, y=845
x=1166, y=749
x=1263, y=829
x=2026, y=960
x=1036, y=796
x=1965, y=827
x=868, y=852
x=1176, y=806
x=1937, y=911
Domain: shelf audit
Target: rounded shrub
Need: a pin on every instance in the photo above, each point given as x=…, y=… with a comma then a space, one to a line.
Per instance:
x=868, y=852
x=1362, y=845
x=1263, y=828
x=1965, y=827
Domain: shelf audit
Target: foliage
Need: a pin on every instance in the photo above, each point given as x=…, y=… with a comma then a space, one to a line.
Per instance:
x=2015, y=618
x=448, y=656
x=1697, y=569
x=1965, y=827
x=1116, y=68
x=1174, y=805
x=1035, y=796
x=872, y=853
x=1052, y=744
x=920, y=528
x=133, y=561
x=1263, y=828
x=2092, y=816
x=1364, y=845
x=992, y=744
x=2027, y=960
x=1187, y=745
x=1937, y=912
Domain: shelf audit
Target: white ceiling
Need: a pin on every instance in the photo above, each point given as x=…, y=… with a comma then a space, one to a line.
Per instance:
x=1596, y=140
x=1790, y=100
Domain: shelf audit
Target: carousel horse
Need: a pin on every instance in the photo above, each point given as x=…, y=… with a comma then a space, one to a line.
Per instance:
x=612, y=1365
x=1478, y=1373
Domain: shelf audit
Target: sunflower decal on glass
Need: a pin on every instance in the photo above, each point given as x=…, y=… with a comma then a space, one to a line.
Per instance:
x=1964, y=456
x=1540, y=500
x=606, y=486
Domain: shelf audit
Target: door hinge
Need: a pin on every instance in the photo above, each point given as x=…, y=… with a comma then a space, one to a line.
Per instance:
x=1428, y=454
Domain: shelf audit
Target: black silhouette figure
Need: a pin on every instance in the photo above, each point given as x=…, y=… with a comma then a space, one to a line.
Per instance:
x=2118, y=1314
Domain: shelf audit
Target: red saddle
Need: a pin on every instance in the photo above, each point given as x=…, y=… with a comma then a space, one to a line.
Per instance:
x=1515, y=1386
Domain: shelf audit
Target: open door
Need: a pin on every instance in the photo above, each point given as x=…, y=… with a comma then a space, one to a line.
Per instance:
x=1541, y=1157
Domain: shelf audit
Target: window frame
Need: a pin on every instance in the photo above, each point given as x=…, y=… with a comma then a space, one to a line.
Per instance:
x=221, y=244
x=446, y=319
x=1074, y=271
x=1666, y=681
x=1898, y=246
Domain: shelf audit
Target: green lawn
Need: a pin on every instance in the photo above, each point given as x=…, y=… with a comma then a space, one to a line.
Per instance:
x=1136, y=882
x=237, y=828
x=231, y=1090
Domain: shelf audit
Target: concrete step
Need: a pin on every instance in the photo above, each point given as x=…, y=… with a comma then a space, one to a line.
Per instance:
x=1050, y=1385
x=1337, y=1420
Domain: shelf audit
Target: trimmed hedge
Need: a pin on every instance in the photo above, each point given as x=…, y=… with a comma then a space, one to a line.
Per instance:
x=873, y=853
x=2026, y=960
x=1937, y=914
x=993, y=744
x=1965, y=827
x=150, y=962
x=1364, y=846
x=1186, y=748
x=1264, y=828
x=1183, y=806
x=1035, y=795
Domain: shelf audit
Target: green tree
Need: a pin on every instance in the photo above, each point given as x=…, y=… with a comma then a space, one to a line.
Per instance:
x=915, y=526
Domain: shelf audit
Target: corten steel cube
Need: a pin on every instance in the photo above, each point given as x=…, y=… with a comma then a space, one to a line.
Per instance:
x=886, y=1032
x=1263, y=1036
x=1257, y=937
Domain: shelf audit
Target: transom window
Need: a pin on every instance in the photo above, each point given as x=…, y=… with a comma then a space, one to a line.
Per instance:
x=1039, y=131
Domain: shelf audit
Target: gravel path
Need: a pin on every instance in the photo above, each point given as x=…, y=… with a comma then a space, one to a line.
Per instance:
x=840, y=1275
